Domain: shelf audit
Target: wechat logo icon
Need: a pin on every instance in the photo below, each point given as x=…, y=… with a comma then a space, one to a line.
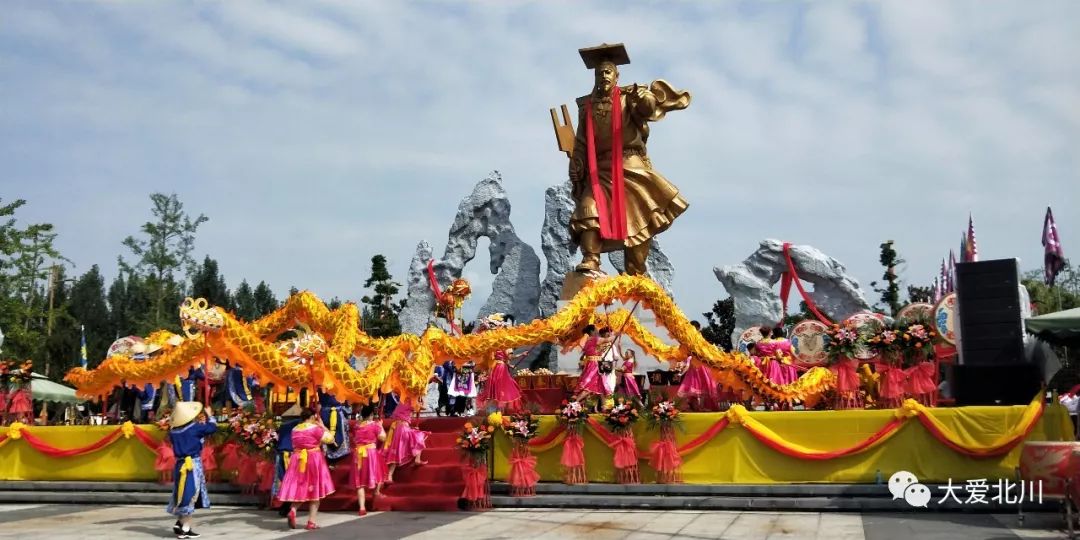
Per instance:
x=904, y=485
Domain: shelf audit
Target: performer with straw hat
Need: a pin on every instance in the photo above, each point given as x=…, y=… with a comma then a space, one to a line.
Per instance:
x=189, y=425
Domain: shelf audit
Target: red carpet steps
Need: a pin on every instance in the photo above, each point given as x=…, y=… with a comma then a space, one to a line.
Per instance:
x=434, y=487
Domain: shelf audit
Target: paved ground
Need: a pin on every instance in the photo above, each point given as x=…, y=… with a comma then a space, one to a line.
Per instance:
x=62, y=522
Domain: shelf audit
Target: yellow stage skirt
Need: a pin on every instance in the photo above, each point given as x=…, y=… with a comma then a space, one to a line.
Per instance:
x=123, y=459
x=735, y=456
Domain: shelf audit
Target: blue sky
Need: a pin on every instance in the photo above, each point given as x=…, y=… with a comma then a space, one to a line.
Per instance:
x=317, y=134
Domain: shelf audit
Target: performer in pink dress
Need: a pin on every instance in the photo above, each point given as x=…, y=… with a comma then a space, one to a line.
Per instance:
x=697, y=384
x=627, y=384
x=592, y=380
x=404, y=443
x=370, y=469
x=307, y=478
x=776, y=354
x=500, y=387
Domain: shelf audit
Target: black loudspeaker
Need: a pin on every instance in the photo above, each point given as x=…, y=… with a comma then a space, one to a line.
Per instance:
x=991, y=332
x=1012, y=384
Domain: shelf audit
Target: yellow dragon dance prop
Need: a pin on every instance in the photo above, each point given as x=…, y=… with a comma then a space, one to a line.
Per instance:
x=404, y=363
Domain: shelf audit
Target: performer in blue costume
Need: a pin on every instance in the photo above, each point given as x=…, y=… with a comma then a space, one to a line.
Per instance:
x=335, y=416
x=239, y=387
x=184, y=389
x=189, y=425
x=146, y=402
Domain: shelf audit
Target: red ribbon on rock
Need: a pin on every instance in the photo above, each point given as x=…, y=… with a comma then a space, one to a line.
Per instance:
x=791, y=276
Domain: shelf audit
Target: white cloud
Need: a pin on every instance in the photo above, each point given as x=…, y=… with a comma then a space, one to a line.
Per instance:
x=315, y=135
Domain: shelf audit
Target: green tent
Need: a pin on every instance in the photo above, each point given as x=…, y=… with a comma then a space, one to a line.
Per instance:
x=42, y=389
x=1059, y=328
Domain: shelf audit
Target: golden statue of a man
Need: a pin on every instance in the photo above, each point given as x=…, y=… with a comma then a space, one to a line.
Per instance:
x=621, y=201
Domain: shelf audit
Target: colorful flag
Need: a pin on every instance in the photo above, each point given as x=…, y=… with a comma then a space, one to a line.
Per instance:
x=972, y=247
x=82, y=347
x=1054, y=258
x=963, y=248
x=937, y=286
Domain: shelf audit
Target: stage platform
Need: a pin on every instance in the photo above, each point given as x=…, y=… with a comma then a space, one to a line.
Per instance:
x=737, y=447
x=842, y=447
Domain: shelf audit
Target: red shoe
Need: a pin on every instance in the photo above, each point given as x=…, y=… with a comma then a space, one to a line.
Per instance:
x=362, y=512
x=311, y=526
x=292, y=518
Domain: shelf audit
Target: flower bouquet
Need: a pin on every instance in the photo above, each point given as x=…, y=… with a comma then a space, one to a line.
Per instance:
x=572, y=416
x=521, y=428
x=475, y=442
x=917, y=350
x=663, y=454
x=621, y=416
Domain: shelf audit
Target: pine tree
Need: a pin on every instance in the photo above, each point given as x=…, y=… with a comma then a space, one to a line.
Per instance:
x=265, y=301
x=246, y=307
x=920, y=294
x=208, y=283
x=161, y=254
x=720, y=323
x=890, y=292
x=382, y=320
x=89, y=309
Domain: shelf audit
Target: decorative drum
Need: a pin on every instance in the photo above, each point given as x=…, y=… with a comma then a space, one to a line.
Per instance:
x=808, y=340
x=1049, y=462
x=750, y=335
x=916, y=311
x=946, y=318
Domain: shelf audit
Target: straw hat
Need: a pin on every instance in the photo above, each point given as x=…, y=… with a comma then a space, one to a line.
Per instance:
x=184, y=413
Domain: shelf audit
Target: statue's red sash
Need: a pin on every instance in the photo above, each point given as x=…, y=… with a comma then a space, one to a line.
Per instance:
x=613, y=218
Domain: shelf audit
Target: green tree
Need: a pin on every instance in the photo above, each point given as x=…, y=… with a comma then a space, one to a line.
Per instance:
x=720, y=323
x=1065, y=294
x=130, y=305
x=265, y=301
x=382, y=315
x=164, y=251
x=890, y=290
x=208, y=283
x=90, y=309
x=334, y=303
x=246, y=308
x=27, y=256
x=920, y=294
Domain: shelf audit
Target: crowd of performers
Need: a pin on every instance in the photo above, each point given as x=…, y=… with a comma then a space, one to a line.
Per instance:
x=327, y=431
x=308, y=441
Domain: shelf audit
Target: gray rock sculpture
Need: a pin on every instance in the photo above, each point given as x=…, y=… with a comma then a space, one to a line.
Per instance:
x=516, y=288
x=560, y=250
x=751, y=283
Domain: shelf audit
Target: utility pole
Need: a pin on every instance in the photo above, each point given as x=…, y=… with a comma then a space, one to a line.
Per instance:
x=54, y=276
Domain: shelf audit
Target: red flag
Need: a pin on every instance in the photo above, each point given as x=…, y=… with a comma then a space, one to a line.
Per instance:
x=1054, y=258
